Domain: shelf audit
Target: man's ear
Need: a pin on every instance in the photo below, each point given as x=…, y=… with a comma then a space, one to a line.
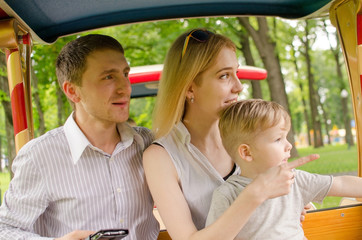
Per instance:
x=70, y=90
x=244, y=152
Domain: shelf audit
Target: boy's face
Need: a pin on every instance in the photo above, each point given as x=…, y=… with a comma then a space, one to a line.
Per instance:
x=270, y=147
x=106, y=90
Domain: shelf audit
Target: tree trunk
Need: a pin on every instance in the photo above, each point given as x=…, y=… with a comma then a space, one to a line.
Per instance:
x=347, y=121
x=4, y=86
x=304, y=102
x=325, y=120
x=313, y=94
x=1, y=156
x=267, y=51
x=11, y=144
x=342, y=88
x=41, y=129
x=246, y=50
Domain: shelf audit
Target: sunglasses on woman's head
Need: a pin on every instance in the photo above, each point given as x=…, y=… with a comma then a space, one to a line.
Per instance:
x=197, y=34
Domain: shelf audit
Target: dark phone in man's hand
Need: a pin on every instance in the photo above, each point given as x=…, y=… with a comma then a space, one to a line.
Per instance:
x=108, y=234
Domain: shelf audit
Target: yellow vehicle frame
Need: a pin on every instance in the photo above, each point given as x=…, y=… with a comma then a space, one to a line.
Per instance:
x=345, y=15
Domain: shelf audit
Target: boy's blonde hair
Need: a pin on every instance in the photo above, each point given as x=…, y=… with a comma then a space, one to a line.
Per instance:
x=242, y=121
x=179, y=73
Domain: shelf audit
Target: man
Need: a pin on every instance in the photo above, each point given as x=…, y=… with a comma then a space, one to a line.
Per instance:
x=87, y=174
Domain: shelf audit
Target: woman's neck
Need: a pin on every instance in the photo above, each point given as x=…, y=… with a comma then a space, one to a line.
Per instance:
x=206, y=138
x=202, y=131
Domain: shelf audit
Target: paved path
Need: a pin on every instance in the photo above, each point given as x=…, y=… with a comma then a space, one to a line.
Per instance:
x=354, y=173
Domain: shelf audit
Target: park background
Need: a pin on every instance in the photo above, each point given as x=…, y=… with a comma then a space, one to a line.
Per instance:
x=300, y=56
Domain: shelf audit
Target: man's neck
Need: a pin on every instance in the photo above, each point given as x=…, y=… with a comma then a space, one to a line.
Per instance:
x=103, y=135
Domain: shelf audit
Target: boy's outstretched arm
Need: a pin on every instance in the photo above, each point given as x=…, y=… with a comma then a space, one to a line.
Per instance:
x=346, y=186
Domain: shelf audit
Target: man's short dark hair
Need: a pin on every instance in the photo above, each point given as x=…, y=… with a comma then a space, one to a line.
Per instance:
x=72, y=59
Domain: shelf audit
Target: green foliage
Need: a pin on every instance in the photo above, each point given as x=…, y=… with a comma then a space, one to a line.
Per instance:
x=43, y=62
x=147, y=43
x=141, y=111
x=4, y=96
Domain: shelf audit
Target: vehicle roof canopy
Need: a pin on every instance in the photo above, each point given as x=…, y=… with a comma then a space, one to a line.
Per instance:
x=50, y=19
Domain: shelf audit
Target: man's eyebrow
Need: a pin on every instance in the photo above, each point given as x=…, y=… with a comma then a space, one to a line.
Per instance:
x=114, y=70
x=108, y=71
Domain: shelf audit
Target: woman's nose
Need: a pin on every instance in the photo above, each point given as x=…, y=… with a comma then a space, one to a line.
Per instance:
x=238, y=86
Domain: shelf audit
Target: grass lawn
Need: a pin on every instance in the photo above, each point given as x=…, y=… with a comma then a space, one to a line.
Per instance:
x=333, y=160
x=4, y=183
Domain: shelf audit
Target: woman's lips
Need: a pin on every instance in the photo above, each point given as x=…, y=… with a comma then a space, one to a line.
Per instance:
x=231, y=101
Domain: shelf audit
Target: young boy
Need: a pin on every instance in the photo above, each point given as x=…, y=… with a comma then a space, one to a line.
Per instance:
x=254, y=132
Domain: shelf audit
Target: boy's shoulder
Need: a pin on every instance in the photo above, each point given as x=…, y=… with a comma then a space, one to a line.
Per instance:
x=233, y=186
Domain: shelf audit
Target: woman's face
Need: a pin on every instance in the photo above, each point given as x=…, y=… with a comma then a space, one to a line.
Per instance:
x=218, y=86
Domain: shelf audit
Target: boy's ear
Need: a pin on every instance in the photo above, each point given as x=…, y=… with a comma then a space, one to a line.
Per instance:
x=70, y=90
x=244, y=152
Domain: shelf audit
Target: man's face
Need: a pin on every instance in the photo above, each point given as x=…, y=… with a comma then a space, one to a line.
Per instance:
x=106, y=90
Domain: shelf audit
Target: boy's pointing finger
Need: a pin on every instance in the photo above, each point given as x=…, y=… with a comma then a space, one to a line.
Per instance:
x=301, y=161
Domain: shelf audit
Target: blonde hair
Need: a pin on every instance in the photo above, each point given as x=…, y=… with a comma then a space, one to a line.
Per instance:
x=242, y=121
x=179, y=73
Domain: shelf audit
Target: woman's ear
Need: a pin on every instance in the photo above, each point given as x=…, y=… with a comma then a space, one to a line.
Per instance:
x=244, y=152
x=70, y=90
x=190, y=92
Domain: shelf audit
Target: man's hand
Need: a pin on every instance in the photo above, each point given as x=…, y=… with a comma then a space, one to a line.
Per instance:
x=76, y=235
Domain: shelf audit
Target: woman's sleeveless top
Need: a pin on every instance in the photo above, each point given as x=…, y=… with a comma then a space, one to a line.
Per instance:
x=198, y=178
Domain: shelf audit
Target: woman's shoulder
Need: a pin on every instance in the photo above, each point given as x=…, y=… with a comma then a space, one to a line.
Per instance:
x=178, y=135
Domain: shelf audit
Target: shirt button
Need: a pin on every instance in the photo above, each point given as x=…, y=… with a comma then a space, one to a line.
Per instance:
x=121, y=220
x=111, y=159
x=119, y=190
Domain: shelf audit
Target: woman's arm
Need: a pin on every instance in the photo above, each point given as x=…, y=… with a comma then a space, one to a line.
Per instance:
x=163, y=182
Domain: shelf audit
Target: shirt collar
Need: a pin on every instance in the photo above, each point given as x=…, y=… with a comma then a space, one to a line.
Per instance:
x=128, y=134
x=183, y=133
x=78, y=141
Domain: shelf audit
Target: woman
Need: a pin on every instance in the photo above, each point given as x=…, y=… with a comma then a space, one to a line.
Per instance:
x=187, y=161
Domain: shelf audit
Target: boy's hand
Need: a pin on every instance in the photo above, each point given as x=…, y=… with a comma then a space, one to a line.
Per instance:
x=277, y=180
x=301, y=161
